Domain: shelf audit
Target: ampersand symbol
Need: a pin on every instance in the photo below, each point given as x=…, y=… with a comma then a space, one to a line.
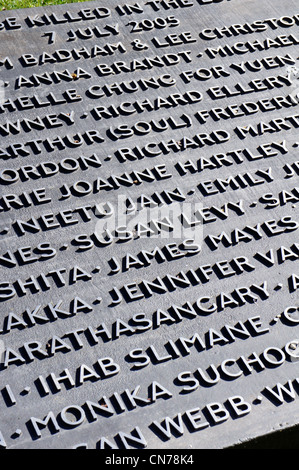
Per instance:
x=138, y=45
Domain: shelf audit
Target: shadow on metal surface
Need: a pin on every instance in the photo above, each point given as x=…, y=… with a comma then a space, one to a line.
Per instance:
x=286, y=439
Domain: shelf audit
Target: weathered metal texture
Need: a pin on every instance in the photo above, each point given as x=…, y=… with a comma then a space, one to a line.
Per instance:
x=177, y=120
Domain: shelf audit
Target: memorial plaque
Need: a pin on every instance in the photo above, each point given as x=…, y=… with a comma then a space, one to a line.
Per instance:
x=149, y=224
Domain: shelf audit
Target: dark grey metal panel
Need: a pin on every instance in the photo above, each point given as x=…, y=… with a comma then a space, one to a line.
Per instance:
x=149, y=224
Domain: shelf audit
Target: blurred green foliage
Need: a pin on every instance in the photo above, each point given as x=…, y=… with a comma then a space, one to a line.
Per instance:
x=12, y=4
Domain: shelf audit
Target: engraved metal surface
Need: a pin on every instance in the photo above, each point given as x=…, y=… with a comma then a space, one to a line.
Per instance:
x=149, y=224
